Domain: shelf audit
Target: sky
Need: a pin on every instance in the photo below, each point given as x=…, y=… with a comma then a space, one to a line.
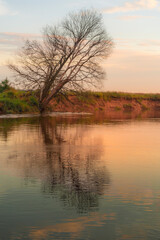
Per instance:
x=134, y=65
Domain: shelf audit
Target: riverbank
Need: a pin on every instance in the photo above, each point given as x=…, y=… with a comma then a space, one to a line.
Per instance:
x=107, y=103
x=15, y=101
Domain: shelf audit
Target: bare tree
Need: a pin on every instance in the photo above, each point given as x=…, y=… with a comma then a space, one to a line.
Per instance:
x=67, y=58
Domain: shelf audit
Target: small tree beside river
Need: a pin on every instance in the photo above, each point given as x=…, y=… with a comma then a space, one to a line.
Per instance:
x=68, y=58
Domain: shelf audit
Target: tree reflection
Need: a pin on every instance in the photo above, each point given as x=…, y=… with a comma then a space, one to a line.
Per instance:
x=61, y=154
x=75, y=174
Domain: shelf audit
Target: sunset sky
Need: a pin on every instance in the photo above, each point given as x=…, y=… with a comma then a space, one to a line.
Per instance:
x=134, y=26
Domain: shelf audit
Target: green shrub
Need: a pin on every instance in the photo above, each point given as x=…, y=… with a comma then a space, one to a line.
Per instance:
x=11, y=94
x=33, y=101
x=13, y=105
x=4, y=85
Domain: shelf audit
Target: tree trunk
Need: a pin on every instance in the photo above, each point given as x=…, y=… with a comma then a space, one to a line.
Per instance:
x=41, y=108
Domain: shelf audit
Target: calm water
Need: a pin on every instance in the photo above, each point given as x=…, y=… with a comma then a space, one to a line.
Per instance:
x=76, y=177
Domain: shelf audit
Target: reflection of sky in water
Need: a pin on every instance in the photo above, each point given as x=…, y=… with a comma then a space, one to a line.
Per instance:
x=70, y=179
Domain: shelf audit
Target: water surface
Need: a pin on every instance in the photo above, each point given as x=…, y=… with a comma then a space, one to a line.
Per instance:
x=79, y=177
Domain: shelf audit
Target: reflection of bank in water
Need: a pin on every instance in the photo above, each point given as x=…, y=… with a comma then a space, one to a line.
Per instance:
x=68, y=169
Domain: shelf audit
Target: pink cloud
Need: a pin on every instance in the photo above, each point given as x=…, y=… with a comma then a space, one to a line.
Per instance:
x=12, y=39
x=133, y=17
x=133, y=6
x=150, y=43
x=21, y=35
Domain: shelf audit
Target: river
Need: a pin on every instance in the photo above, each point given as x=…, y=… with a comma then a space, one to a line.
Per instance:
x=78, y=177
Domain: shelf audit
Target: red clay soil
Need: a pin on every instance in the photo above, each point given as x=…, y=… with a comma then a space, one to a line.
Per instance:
x=118, y=105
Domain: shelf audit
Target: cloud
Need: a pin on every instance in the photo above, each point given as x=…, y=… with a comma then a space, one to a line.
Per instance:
x=149, y=46
x=16, y=39
x=150, y=43
x=10, y=42
x=4, y=9
x=22, y=35
x=134, y=17
x=133, y=6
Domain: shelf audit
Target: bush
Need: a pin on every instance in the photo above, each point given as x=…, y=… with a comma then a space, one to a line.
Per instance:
x=33, y=101
x=16, y=101
x=13, y=106
x=10, y=94
x=4, y=85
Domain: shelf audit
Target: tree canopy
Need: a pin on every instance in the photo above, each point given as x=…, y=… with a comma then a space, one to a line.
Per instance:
x=68, y=57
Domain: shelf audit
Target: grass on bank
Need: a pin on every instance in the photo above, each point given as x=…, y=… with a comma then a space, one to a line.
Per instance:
x=107, y=96
x=16, y=101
